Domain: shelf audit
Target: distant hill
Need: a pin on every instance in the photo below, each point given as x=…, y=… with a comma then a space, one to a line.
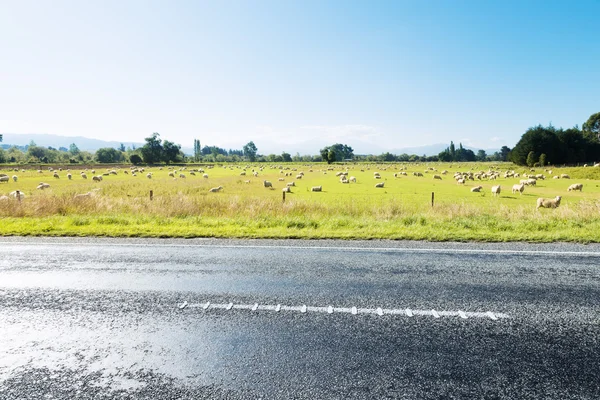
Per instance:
x=56, y=141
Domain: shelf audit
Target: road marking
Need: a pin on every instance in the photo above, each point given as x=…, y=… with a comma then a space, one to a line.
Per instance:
x=337, y=249
x=349, y=310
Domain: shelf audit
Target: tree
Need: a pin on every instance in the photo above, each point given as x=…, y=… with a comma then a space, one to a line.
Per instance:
x=122, y=148
x=341, y=152
x=37, y=152
x=135, y=159
x=108, y=155
x=481, y=156
x=591, y=127
x=197, y=150
x=250, y=151
x=0, y=138
x=504, y=153
x=538, y=139
x=286, y=157
x=73, y=149
x=152, y=150
x=531, y=158
x=542, y=160
x=171, y=151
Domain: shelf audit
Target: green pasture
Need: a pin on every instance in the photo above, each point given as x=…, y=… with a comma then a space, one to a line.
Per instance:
x=120, y=205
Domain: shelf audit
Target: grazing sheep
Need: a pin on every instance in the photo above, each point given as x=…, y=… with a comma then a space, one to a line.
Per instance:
x=299, y=176
x=205, y=176
x=576, y=186
x=417, y=174
x=496, y=190
x=149, y=175
x=56, y=175
x=556, y=177
x=287, y=189
x=4, y=198
x=518, y=188
x=437, y=177
x=182, y=176
x=14, y=194
x=216, y=189
x=476, y=189
x=82, y=196
x=460, y=181
x=281, y=179
x=97, y=178
x=379, y=185
x=352, y=179
x=15, y=178
x=267, y=184
x=4, y=178
x=84, y=176
x=247, y=181
x=548, y=203
x=172, y=174
x=316, y=189
x=291, y=184
x=42, y=186
x=69, y=176
x=565, y=176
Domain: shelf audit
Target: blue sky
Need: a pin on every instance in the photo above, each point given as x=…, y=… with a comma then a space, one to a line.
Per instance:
x=297, y=75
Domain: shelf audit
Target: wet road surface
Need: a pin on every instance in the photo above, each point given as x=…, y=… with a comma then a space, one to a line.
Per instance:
x=233, y=319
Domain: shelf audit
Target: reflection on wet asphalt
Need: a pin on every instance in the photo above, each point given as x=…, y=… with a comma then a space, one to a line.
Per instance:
x=86, y=327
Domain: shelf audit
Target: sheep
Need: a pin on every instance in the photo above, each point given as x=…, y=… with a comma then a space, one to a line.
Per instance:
x=216, y=189
x=417, y=174
x=205, y=176
x=437, y=177
x=460, y=181
x=171, y=174
x=291, y=184
x=565, y=176
x=112, y=172
x=316, y=189
x=496, y=190
x=4, y=178
x=576, y=186
x=4, y=198
x=281, y=179
x=84, y=176
x=548, y=203
x=299, y=176
x=42, y=186
x=182, y=176
x=556, y=177
x=267, y=184
x=15, y=178
x=97, y=178
x=82, y=196
x=352, y=179
x=287, y=189
x=476, y=189
x=69, y=176
x=379, y=185
x=247, y=181
x=21, y=196
x=518, y=188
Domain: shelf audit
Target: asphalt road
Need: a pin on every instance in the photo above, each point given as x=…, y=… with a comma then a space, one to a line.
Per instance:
x=232, y=319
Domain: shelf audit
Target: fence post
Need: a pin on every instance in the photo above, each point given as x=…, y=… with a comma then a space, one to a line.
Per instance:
x=432, y=198
x=19, y=196
x=151, y=195
x=283, y=197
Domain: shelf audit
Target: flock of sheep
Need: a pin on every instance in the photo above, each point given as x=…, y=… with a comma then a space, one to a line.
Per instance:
x=460, y=177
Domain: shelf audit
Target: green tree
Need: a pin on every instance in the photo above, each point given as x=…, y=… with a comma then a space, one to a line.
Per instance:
x=504, y=151
x=122, y=148
x=135, y=159
x=286, y=157
x=250, y=151
x=531, y=159
x=3, y=157
x=152, y=150
x=1, y=138
x=37, y=152
x=108, y=155
x=591, y=127
x=171, y=152
x=538, y=139
x=197, y=150
x=542, y=160
x=481, y=156
x=73, y=149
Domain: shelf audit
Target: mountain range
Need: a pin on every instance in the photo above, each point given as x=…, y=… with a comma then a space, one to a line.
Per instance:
x=89, y=144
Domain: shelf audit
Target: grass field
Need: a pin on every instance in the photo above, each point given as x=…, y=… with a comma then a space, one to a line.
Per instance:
x=120, y=205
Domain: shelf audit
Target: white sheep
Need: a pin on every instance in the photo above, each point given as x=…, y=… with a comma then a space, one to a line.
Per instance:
x=97, y=178
x=4, y=178
x=82, y=196
x=379, y=185
x=69, y=176
x=548, y=203
x=352, y=179
x=287, y=189
x=565, y=176
x=291, y=184
x=216, y=189
x=437, y=177
x=496, y=190
x=149, y=175
x=576, y=186
x=267, y=184
x=56, y=175
x=42, y=186
x=518, y=188
x=15, y=178
x=316, y=189
x=84, y=176
x=182, y=176
x=476, y=189
x=21, y=196
x=205, y=176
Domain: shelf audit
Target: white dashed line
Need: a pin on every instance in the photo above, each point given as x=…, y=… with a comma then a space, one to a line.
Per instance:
x=347, y=310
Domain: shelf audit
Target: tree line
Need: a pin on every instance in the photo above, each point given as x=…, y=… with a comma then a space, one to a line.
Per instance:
x=543, y=145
